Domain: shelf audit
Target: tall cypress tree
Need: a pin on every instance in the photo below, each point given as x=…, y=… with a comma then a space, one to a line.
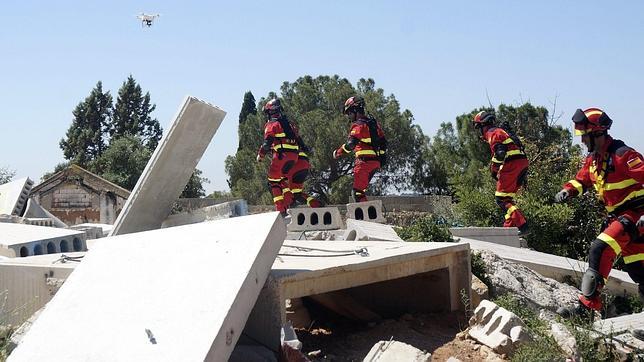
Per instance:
x=248, y=108
x=132, y=115
x=84, y=141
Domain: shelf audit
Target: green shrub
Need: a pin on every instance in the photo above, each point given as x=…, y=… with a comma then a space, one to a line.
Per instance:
x=426, y=228
x=479, y=269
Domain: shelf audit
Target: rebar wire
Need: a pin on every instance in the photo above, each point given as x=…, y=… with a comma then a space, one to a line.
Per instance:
x=361, y=251
x=65, y=258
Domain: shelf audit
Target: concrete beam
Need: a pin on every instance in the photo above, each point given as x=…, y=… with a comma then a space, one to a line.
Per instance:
x=170, y=167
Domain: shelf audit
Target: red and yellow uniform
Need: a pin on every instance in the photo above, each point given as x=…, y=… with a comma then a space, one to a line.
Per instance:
x=283, y=145
x=616, y=173
x=296, y=182
x=509, y=166
x=368, y=153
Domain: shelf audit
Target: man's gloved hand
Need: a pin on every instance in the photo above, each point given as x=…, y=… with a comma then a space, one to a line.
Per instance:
x=562, y=196
x=259, y=157
x=337, y=153
x=640, y=222
x=494, y=171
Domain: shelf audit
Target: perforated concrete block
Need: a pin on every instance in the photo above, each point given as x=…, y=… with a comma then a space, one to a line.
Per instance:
x=308, y=219
x=14, y=196
x=19, y=240
x=368, y=211
x=366, y=230
x=497, y=328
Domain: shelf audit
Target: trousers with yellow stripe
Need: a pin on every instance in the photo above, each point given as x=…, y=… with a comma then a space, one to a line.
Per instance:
x=279, y=174
x=510, y=178
x=620, y=237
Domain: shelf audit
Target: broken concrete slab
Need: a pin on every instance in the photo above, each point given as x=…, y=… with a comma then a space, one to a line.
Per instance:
x=368, y=210
x=35, y=210
x=154, y=297
x=19, y=240
x=224, y=210
x=553, y=266
x=621, y=327
x=170, y=167
x=497, y=328
x=395, y=351
x=309, y=219
x=497, y=235
x=14, y=196
x=105, y=228
x=406, y=276
x=366, y=230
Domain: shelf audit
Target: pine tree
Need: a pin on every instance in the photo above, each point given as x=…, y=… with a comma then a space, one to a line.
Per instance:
x=248, y=108
x=132, y=115
x=84, y=140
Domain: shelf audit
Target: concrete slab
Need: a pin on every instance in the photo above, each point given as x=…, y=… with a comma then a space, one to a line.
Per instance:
x=14, y=195
x=395, y=351
x=369, y=211
x=175, y=294
x=105, y=228
x=405, y=276
x=224, y=210
x=620, y=328
x=35, y=210
x=170, y=167
x=366, y=230
x=18, y=240
x=309, y=219
x=503, y=236
x=553, y=266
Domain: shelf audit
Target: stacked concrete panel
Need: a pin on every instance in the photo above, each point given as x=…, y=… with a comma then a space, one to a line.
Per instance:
x=18, y=240
x=365, y=230
x=497, y=235
x=308, y=219
x=14, y=196
x=368, y=211
x=170, y=167
x=175, y=294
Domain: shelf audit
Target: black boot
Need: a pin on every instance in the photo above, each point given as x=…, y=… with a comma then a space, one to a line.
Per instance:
x=579, y=310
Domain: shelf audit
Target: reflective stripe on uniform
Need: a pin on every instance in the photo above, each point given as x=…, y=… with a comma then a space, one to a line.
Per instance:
x=505, y=194
x=382, y=152
x=296, y=191
x=620, y=185
x=611, y=242
x=508, y=141
x=274, y=179
x=630, y=196
x=365, y=152
x=278, y=198
x=633, y=258
x=286, y=145
x=508, y=214
x=495, y=160
x=344, y=148
x=303, y=154
x=285, y=190
x=282, y=135
x=579, y=132
x=366, y=140
x=577, y=185
x=514, y=153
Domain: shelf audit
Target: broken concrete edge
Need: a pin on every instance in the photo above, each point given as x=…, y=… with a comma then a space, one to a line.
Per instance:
x=393, y=350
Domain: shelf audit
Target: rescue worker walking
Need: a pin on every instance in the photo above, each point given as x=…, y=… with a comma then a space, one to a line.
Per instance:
x=509, y=167
x=616, y=172
x=281, y=141
x=368, y=141
x=299, y=174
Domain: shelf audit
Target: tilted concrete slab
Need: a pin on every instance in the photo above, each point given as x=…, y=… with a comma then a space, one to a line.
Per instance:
x=319, y=218
x=35, y=210
x=175, y=294
x=504, y=236
x=421, y=276
x=553, y=266
x=224, y=210
x=366, y=230
x=19, y=240
x=14, y=196
x=368, y=211
x=170, y=167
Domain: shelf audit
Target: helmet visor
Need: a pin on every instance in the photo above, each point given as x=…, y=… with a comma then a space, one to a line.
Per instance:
x=581, y=122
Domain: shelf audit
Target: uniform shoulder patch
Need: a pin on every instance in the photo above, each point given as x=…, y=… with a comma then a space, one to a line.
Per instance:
x=634, y=162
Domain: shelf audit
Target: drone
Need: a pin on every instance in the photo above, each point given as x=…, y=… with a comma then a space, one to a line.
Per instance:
x=147, y=19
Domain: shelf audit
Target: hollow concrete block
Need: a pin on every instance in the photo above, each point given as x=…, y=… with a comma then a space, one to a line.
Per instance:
x=14, y=196
x=368, y=211
x=309, y=219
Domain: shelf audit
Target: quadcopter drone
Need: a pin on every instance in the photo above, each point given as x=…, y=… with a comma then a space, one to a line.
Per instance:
x=147, y=19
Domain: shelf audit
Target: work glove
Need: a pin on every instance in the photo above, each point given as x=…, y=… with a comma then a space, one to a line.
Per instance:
x=640, y=222
x=494, y=171
x=259, y=157
x=562, y=196
x=337, y=153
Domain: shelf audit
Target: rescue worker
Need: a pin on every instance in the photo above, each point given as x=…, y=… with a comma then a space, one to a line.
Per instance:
x=616, y=172
x=368, y=141
x=280, y=140
x=299, y=174
x=509, y=167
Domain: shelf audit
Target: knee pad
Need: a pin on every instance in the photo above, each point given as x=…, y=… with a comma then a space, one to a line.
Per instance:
x=597, y=247
x=591, y=283
x=300, y=176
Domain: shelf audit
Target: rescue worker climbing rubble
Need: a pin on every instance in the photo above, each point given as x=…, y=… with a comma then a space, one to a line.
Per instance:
x=368, y=141
x=509, y=167
x=281, y=141
x=616, y=172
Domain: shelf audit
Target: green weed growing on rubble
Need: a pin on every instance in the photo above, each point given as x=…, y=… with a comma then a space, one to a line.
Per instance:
x=426, y=228
x=479, y=269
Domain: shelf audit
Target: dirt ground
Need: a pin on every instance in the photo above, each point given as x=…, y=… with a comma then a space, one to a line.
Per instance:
x=337, y=339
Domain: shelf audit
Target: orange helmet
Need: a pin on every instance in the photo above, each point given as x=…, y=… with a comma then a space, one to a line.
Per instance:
x=353, y=104
x=483, y=118
x=591, y=120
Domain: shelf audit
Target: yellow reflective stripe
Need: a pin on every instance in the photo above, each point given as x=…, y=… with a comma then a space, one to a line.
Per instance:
x=278, y=198
x=309, y=199
x=577, y=185
x=504, y=194
x=508, y=141
x=274, y=179
x=286, y=145
x=611, y=242
x=382, y=152
x=286, y=189
x=633, y=258
x=366, y=140
x=280, y=135
x=592, y=113
x=495, y=160
x=303, y=154
x=630, y=196
x=344, y=148
x=508, y=214
x=365, y=152
x=295, y=191
x=579, y=132
x=513, y=152
x=620, y=185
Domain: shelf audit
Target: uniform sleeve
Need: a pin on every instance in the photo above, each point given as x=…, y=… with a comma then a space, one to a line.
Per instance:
x=498, y=145
x=632, y=164
x=582, y=181
x=352, y=140
x=269, y=136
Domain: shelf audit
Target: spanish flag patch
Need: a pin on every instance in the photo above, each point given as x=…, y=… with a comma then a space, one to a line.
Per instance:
x=633, y=162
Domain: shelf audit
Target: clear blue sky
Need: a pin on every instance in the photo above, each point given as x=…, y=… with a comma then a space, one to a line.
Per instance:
x=440, y=59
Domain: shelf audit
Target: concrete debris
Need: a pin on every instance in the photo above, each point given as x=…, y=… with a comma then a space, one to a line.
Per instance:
x=565, y=340
x=224, y=210
x=320, y=218
x=394, y=351
x=497, y=328
x=366, y=230
x=479, y=292
x=497, y=235
x=14, y=196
